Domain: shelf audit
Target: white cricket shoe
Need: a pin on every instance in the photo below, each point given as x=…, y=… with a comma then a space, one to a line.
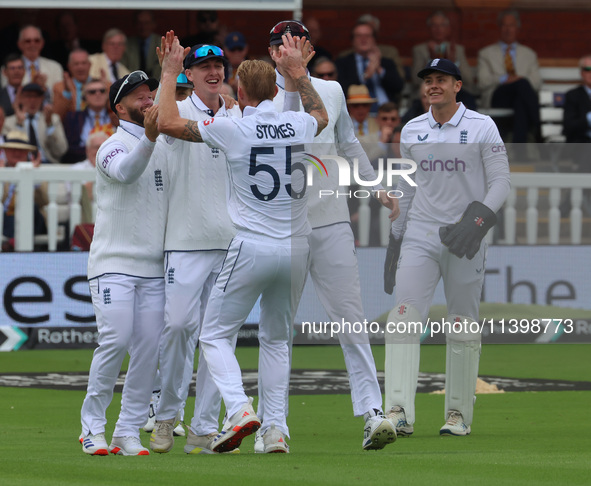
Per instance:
x=259, y=443
x=149, y=427
x=379, y=431
x=162, y=439
x=398, y=418
x=95, y=445
x=127, y=446
x=243, y=423
x=274, y=441
x=199, y=444
x=454, y=425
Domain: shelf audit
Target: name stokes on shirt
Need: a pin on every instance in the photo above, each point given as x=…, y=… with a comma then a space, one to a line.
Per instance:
x=284, y=130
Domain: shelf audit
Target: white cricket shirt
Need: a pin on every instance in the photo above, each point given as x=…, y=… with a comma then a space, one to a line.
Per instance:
x=338, y=138
x=197, y=214
x=463, y=160
x=266, y=166
x=131, y=207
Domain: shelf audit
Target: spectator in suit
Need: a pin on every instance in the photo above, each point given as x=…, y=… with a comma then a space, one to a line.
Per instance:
x=366, y=65
x=14, y=72
x=17, y=148
x=577, y=124
x=386, y=50
x=95, y=117
x=440, y=45
x=359, y=104
x=325, y=69
x=43, y=127
x=577, y=107
x=67, y=94
x=509, y=77
x=140, y=52
x=69, y=39
x=39, y=70
x=236, y=50
x=107, y=64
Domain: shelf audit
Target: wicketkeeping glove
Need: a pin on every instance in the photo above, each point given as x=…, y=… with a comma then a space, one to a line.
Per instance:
x=464, y=237
x=391, y=264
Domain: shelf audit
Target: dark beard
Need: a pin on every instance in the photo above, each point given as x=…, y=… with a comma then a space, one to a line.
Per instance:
x=136, y=116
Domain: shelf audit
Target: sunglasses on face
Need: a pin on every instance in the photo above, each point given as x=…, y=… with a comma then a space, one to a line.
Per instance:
x=586, y=68
x=133, y=78
x=31, y=41
x=207, y=50
x=95, y=91
x=329, y=74
x=389, y=118
x=291, y=26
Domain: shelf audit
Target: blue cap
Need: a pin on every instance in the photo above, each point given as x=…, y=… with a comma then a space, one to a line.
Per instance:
x=442, y=66
x=235, y=40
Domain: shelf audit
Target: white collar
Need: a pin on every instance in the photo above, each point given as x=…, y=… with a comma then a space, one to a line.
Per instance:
x=454, y=119
x=203, y=107
x=280, y=80
x=132, y=128
x=266, y=105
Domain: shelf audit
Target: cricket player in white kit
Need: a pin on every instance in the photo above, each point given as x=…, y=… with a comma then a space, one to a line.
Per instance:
x=125, y=269
x=198, y=233
x=333, y=262
x=269, y=255
x=462, y=180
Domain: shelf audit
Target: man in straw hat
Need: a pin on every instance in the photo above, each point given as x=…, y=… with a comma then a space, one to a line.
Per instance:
x=359, y=104
x=17, y=149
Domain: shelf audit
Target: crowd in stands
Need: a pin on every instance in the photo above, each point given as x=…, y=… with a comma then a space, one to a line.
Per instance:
x=60, y=100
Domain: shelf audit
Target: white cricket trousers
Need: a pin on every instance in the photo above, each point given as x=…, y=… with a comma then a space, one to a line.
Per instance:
x=256, y=266
x=130, y=317
x=423, y=261
x=189, y=277
x=334, y=271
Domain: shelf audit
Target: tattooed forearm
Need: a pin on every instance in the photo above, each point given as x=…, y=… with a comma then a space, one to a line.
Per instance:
x=310, y=98
x=312, y=102
x=191, y=132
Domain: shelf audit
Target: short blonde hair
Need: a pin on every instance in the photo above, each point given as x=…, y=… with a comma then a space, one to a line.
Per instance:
x=257, y=78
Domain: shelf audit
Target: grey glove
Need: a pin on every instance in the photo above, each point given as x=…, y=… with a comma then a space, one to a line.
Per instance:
x=391, y=264
x=464, y=237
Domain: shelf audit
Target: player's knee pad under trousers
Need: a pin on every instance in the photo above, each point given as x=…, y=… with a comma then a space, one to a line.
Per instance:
x=402, y=359
x=461, y=368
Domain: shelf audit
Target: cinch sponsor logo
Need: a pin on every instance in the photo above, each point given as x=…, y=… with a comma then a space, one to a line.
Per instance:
x=437, y=165
x=498, y=148
x=108, y=158
x=316, y=162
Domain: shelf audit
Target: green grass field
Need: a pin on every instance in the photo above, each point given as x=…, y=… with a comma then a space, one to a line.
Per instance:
x=517, y=438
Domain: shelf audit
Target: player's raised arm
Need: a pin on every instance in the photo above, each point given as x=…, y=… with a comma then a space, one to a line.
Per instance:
x=169, y=120
x=289, y=59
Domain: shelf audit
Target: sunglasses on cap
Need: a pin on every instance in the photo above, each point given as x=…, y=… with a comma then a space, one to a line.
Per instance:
x=208, y=50
x=292, y=26
x=133, y=78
